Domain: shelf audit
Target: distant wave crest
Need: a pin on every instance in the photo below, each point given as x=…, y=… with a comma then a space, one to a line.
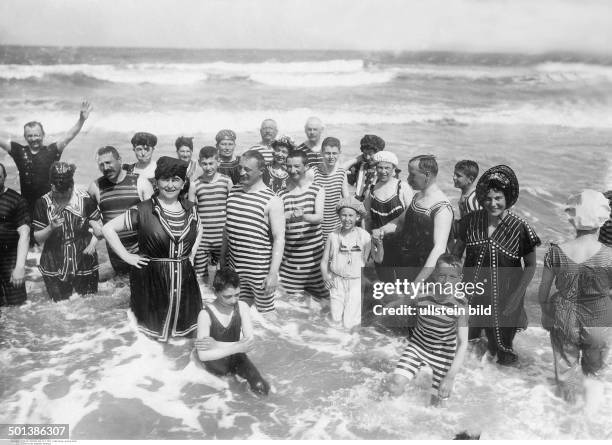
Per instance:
x=284, y=74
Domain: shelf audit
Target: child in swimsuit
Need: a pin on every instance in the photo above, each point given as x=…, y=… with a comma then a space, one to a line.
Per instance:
x=346, y=251
x=440, y=337
x=220, y=323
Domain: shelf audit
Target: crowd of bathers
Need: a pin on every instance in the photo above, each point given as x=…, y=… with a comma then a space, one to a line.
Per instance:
x=293, y=221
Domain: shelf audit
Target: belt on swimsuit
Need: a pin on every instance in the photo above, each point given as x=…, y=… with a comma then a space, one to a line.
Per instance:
x=169, y=260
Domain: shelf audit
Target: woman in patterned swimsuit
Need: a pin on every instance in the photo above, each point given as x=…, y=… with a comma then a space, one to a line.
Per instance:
x=579, y=314
x=500, y=254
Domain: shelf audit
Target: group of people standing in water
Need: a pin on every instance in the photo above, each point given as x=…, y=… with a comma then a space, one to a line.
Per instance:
x=292, y=220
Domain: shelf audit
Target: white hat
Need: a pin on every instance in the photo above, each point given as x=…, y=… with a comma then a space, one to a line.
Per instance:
x=588, y=210
x=385, y=156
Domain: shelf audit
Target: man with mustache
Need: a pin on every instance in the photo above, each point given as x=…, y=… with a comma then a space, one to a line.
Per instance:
x=34, y=159
x=268, y=132
x=115, y=192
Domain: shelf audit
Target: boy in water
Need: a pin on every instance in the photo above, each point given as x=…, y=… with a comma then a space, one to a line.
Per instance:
x=441, y=335
x=220, y=323
x=464, y=178
x=209, y=192
x=346, y=251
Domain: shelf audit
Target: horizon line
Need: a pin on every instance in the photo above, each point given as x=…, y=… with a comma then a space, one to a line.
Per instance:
x=388, y=51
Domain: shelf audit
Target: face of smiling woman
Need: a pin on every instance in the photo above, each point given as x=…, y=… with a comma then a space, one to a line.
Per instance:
x=495, y=203
x=170, y=188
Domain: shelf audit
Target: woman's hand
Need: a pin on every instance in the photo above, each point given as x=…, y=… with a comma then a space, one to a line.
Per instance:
x=136, y=260
x=90, y=249
x=56, y=222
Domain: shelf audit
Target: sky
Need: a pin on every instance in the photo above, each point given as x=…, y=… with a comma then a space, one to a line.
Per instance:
x=526, y=26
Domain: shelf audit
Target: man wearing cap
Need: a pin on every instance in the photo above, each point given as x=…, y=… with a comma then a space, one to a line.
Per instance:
x=268, y=132
x=312, y=145
x=229, y=163
x=34, y=159
x=115, y=192
x=362, y=170
x=144, y=144
x=14, y=240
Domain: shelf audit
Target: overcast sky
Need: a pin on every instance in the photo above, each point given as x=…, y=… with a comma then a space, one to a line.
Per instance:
x=528, y=26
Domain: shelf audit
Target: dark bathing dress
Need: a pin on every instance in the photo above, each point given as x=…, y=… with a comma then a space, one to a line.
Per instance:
x=165, y=296
x=495, y=261
x=238, y=364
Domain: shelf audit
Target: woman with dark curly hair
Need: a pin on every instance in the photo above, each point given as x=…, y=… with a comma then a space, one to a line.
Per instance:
x=275, y=175
x=501, y=257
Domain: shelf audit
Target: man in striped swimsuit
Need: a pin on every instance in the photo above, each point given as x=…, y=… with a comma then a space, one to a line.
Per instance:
x=268, y=132
x=311, y=146
x=209, y=192
x=115, y=192
x=441, y=335
x=15, y=224
x=303, y=203
x=332, y=178
x=254, y=234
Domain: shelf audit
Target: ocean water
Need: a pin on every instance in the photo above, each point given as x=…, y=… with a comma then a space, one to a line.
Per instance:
x=82, y=362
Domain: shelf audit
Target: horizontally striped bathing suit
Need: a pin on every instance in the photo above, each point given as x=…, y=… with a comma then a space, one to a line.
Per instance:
x=231, y=169
x=115, y=199
x=433, y=342
x=265, y=151
x=332, y=184
x=301, y=266
x=249, y=241
x=211, y=198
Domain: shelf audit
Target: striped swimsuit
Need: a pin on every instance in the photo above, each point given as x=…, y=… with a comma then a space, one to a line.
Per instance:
x=115, y=199
x=301, y=266
x=231, y=169
x=433, y=342
x=211, y=198
x=249, y=241
x=332, y=184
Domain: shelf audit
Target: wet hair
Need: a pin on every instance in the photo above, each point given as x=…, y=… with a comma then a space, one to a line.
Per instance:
x=426, y=163
x=225, y=278
x=209, y=152
x=183, y=141
x=299, y=154
x=3, y=169
x=254, y=154
x=331, y=142
x=108, y=149
x=144, y=138
x=468, y=167
x=450, y=259
x=33, y=124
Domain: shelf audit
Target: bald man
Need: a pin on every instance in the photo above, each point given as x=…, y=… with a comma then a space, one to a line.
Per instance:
x=312, y=145
x=268, y=132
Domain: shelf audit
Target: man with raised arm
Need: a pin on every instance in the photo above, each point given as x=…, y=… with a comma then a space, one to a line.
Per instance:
x=34, y=159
